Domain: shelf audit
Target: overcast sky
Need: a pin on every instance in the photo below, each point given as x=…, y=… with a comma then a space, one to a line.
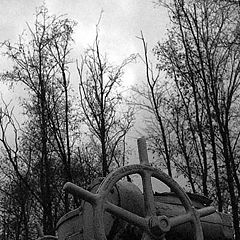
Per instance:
x=122, y=21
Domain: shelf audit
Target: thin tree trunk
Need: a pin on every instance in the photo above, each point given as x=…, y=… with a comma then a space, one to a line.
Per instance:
x=45, y=166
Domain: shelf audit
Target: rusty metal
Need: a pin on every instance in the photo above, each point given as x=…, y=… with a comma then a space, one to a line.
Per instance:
x=113, y=208
x=151, y=224
x=78, y=223
x=159, y=225
x=142, y=151
x=70, y=226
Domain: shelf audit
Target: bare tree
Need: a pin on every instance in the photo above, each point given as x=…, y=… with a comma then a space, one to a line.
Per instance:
x=41, y=66
x=152, y=101
x=15, y=169
x=201, y=55
x=102, y=104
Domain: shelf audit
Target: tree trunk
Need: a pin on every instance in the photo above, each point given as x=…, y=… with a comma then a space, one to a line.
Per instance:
x=45, y=166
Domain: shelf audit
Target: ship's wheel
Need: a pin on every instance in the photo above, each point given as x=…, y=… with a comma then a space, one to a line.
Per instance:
x=153, y=226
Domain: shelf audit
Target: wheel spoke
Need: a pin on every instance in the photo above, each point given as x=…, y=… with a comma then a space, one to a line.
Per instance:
x=150, y=209
x=126, y=215
x=174, y=221
x=206, y=211
x=99, y=233
x=80, y=192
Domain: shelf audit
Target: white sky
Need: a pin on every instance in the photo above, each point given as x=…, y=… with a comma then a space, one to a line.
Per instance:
x=121, y=23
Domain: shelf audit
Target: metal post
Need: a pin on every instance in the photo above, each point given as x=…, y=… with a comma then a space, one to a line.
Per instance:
x=142, y=151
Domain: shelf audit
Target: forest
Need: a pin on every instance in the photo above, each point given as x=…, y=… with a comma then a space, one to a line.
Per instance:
x=190, y=98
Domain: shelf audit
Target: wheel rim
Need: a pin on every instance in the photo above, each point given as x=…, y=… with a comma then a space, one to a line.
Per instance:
x=146, y=172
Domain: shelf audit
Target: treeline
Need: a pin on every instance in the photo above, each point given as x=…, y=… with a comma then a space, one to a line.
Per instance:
x=194, y=122
x=190, y=97
x=63, y=137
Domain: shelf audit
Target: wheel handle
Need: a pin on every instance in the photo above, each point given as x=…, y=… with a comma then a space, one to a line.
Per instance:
x=152, y=225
